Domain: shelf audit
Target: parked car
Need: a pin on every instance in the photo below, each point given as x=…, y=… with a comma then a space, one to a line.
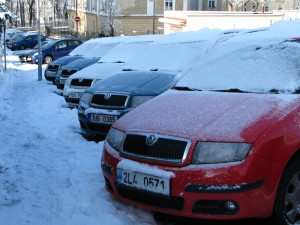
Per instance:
x=23, y=56
x=11, y=34
x=110, y=64
x=224, y=143
x=29, y=40
x=93, y=56
x=78, y=53
x=106, y=101
x=55, y=50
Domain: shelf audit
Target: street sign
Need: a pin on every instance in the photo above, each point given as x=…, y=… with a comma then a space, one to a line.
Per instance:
x=77, y=19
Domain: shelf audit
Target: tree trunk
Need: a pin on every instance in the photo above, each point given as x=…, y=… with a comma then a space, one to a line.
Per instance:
x=31, y=4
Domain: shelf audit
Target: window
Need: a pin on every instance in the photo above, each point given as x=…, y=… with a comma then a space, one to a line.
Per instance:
x=102, y=5
x=94, y=5
x=62, y=44
x=267, y=8
x=169, y=5
x=211, y=4
x=74, y=43
x=88, y=7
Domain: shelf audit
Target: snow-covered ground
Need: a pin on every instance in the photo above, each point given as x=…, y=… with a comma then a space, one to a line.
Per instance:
x=49, y=174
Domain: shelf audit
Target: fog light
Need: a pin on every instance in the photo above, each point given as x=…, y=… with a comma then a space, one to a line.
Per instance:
x=230, y=205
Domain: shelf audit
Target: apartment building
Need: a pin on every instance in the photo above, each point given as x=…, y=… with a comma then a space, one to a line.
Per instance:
x=135, y=17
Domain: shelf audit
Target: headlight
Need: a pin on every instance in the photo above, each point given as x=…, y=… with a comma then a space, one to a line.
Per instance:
x=96, y=81
x=86, y=98
x=219, y=152
x=68, y=81
x=115, y=138
x=35, y=54
x=138, y=100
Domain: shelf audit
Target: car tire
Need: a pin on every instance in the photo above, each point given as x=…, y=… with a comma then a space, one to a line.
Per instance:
x=22, y=47
x=286, y=208
x=47, y=59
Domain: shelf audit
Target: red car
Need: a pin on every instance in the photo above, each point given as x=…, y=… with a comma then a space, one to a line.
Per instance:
x=224, y=143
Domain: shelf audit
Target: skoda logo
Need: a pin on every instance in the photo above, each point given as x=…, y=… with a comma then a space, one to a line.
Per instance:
x=151, y=140
x=80, y=80
x=107, y=96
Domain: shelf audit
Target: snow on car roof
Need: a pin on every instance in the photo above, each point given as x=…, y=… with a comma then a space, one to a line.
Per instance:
x=251, y=62
x=175, y=52
x=103, y=46
x=129, y=48
x=89, y=48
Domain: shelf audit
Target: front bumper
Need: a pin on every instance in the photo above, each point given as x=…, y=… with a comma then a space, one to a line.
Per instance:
x=72, y=96
x=50, y=75
x=203, y=191
x=60, y=82
x=22, y=58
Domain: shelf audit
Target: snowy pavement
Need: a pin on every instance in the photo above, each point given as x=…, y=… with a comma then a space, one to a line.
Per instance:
x=49, y=174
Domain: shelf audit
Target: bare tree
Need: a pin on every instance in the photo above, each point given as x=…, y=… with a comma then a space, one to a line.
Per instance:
x=31, y=11
x=237, y=5
x=112, y=10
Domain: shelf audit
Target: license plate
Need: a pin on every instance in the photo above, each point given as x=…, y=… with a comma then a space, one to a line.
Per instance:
x=75, y=95
x=144, y=182
x=105, y=119
x=51, y=74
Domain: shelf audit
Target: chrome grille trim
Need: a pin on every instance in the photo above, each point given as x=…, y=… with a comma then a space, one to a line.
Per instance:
x=162, y=137
x=67, y=72
x=53, y=67
x=77, y=82
x=98, y=99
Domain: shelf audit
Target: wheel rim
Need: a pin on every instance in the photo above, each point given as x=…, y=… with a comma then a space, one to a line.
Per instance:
x=48, y=59
x=292, y=200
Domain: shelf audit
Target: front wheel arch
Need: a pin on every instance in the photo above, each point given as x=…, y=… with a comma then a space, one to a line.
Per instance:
x=286, y=207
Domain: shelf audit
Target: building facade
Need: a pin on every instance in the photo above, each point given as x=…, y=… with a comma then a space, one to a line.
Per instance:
x=135, y=17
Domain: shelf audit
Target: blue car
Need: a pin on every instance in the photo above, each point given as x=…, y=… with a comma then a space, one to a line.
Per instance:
x=55, y=50
x=28, y=41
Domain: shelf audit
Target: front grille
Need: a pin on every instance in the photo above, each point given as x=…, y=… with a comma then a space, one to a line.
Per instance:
x=173, y=203
x=98, y=127
x=68, y=72
x=53, y=67
x=109, y=100
x=73, y=100
x=164, y=149
x=81, y=83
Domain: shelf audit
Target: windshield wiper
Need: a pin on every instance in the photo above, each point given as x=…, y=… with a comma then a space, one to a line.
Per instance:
x=297, y=91
x=235, y=90
x=186, y=89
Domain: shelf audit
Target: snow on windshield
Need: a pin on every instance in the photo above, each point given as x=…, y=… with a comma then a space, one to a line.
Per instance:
x=100, y=48
x=253, y=65
x=175, y=52
x=128, y=49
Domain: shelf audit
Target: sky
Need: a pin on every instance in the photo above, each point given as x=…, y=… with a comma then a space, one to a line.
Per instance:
x=49, y=173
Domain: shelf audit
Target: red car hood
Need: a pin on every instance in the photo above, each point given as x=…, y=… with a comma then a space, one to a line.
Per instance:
x=208, y=116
